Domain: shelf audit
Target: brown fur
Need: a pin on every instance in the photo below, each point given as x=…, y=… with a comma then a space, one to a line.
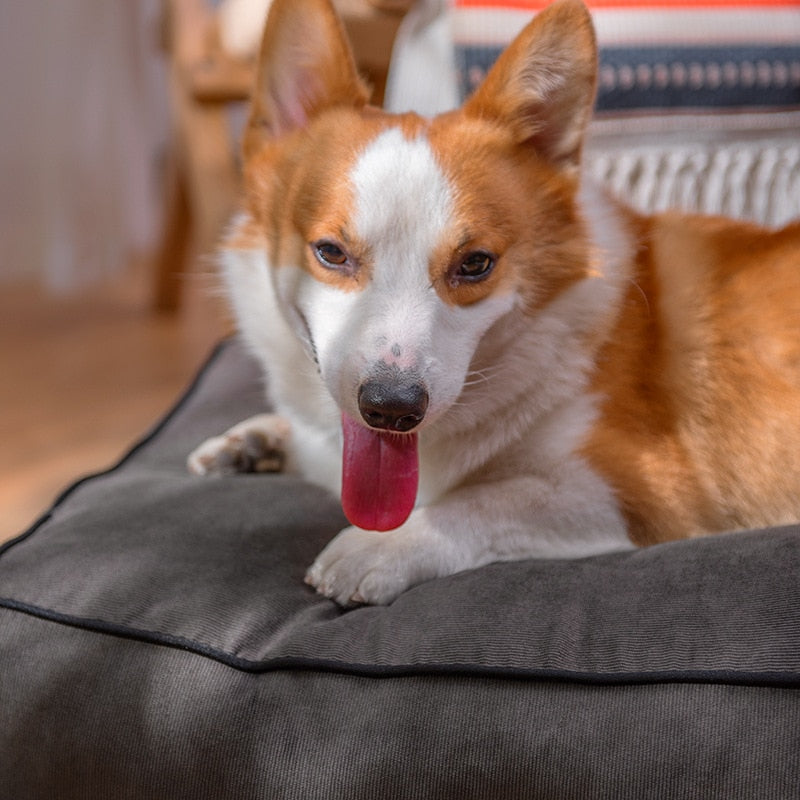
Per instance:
x=700, y=421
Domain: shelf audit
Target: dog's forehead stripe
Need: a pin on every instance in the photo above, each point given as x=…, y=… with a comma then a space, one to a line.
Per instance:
x=403, y=201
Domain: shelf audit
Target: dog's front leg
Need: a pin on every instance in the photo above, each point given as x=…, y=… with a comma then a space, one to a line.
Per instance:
x=505, y=520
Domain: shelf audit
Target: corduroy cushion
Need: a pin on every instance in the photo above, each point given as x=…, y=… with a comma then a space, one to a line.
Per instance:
x=157, y=640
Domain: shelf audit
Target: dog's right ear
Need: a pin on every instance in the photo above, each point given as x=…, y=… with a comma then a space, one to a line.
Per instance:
x=305, y=66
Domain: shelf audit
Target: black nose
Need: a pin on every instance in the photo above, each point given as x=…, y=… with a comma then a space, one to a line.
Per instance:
x=398, y=404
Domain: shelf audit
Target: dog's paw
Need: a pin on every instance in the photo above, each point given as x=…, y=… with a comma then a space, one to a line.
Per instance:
x=373, y=567
x=256, y=445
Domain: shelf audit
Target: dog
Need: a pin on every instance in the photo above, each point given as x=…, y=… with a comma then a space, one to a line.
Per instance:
x=490, y=358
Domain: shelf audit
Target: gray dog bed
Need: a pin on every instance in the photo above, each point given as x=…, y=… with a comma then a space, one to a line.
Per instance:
x=157, y=641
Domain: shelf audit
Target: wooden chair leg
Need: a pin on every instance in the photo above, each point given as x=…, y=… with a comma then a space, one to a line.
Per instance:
x=173, y=254
x=212, y=182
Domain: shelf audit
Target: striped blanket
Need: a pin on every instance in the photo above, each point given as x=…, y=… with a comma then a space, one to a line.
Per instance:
x=698, y=102
x=656, y=55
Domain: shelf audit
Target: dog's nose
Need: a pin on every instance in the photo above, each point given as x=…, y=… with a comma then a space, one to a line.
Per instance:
x=397, y=405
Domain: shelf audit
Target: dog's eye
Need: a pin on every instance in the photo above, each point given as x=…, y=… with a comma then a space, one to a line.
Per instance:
x=476, y=266
x=329, y=254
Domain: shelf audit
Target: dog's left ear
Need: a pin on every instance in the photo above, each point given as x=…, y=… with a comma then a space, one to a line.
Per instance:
x=543, y=84
x=305, y=66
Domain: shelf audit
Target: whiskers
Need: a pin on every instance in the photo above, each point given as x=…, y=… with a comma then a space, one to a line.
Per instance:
x=476, y=383
x=476, y=377
x=635, y=284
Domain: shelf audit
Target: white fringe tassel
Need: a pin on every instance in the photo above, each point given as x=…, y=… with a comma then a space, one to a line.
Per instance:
x=754, y=180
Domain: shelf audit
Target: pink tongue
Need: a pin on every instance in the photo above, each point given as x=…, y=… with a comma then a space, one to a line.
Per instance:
x=380, y=472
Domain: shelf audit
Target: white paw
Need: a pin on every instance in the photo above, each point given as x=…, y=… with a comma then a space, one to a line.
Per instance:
x=375, y=567
x=256, y=445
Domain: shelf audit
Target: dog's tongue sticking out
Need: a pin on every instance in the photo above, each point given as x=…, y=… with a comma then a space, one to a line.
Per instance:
x=380, y=472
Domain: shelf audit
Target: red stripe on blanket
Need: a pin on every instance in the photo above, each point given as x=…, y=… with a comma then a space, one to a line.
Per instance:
x=535, y=5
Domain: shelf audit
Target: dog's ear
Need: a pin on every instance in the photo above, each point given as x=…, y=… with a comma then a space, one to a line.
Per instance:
x=305, y=66
x=543, y=84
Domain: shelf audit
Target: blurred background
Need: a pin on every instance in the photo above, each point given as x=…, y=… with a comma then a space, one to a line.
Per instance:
x=118, y=161
x=89, y=360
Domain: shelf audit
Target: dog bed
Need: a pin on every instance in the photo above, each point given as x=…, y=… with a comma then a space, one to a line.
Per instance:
x=157, y=641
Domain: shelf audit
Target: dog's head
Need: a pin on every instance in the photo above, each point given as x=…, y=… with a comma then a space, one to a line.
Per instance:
x=397, y=242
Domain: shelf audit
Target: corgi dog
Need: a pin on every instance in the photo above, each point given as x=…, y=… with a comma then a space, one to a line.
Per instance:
x=488, y=357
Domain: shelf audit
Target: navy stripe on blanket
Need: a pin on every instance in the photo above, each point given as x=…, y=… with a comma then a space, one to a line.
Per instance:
x=654, y=78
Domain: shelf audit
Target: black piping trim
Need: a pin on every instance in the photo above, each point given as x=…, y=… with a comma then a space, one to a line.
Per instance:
x=784, y=679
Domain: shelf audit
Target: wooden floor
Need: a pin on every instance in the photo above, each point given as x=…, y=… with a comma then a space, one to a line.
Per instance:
x=85, y=376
